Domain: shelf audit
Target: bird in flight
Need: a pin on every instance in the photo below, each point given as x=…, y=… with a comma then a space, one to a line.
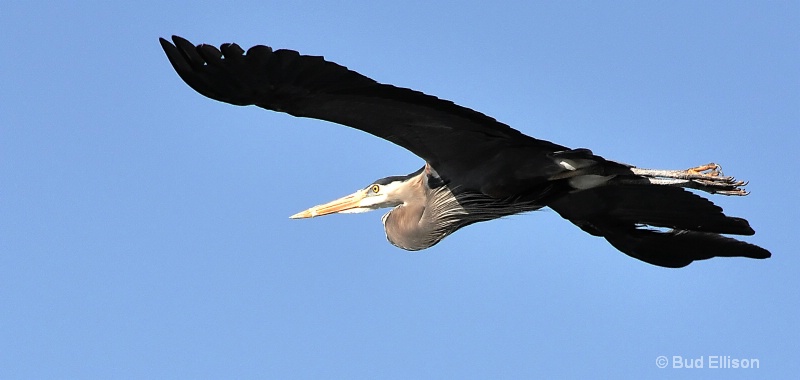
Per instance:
x=476, y=168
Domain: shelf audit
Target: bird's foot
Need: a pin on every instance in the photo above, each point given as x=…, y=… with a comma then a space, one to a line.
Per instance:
x=711, y=169
x=708, y=178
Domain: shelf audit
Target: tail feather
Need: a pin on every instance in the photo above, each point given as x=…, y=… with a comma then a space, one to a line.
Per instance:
x=678, y=248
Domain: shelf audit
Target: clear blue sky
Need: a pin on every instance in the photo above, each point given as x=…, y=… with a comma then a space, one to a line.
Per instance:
x=144, y=229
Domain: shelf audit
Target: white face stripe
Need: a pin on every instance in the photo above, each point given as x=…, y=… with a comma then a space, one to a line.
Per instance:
x=384, y=194
x=373, y=201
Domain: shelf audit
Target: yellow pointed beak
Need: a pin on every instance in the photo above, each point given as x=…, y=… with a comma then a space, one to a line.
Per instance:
x=350, y=202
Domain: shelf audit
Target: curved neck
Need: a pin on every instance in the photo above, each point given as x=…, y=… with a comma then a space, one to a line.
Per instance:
x=425, y=218
x=403, y=227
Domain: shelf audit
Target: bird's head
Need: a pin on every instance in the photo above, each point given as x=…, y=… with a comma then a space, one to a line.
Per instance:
x=385, y=192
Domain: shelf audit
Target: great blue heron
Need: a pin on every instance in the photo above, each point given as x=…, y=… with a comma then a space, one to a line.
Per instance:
x=476, y=168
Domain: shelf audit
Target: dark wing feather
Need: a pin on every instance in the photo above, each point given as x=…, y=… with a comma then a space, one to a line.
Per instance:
x=437, y=130
x=622, y=214
x=678, y=248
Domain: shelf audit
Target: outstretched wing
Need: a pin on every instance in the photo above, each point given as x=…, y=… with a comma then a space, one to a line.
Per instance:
x=437, y=130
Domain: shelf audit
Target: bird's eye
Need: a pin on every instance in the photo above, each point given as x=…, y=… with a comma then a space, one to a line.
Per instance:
x=375, y=189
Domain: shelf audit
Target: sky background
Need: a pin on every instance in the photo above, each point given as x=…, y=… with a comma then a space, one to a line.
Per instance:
x=144, y=228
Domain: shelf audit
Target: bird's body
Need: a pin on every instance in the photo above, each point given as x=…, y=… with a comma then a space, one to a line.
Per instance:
x=476, y=168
